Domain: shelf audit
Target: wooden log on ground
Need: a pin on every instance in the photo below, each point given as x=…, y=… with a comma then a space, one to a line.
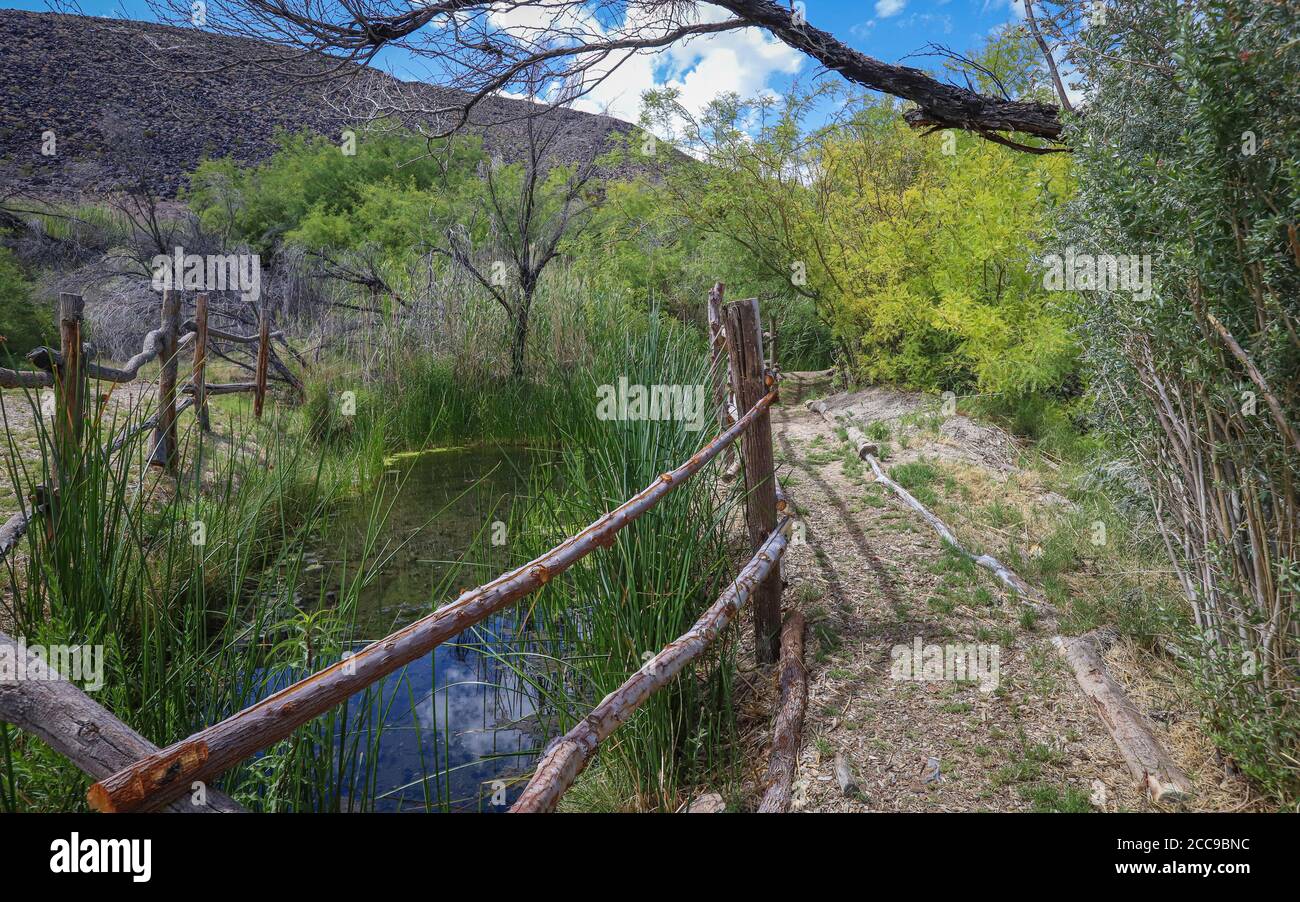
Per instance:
x=789, y=718
x=1009, y=577
x=55, y=711
x=861, y=444
x=222, y=388
x=844, y=777
x=25, y=379
x=568, y=756
x=166, y=452
x=745, y=347
x=13, y=530
x=1152, y=768
x=1005, y=574
x=200, y=361
x=164, y=776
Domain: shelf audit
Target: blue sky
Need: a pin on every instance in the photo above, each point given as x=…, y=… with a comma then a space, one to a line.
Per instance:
x=749, y=61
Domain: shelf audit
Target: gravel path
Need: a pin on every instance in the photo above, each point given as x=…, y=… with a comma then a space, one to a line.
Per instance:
x=873, y=580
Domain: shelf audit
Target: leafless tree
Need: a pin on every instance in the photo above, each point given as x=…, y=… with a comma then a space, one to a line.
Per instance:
x=484, y=47
x=530, y=207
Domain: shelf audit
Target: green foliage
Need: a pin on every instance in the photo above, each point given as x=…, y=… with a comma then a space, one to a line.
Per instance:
x=392, y=193
x=1191, y=158
x=23, y=324
x=917, y=253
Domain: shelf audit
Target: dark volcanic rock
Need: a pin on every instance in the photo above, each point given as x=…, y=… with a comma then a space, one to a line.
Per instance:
x=130, y=99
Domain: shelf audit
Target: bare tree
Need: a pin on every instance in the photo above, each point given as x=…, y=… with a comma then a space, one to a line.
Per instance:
x=484, y=47
x=530, y=206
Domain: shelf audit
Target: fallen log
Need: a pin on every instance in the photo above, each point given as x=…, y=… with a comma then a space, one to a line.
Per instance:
x=55, y=711
x=568, y=755
x=789, y=718
x=844, y=777
x=164, y=776
x=1147, y=760
x=1008, y=577
x=222, y=388
x=25, y=379
x=861, y=444
x=13, y=530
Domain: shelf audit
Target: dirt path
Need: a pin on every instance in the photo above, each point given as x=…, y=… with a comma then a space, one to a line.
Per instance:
x=873, y=581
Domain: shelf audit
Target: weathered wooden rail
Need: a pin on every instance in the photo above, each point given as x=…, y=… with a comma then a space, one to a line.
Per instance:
x=567, y=757
x=156, y=778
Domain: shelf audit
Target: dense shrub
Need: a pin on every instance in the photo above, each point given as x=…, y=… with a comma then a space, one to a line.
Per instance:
x=1192, y=157
x=23, y=323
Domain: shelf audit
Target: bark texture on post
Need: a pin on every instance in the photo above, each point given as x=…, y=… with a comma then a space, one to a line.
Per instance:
x=165, y=452
x=745, y=347
x=69, y=385
x=789, y=718
x=1150, y=764
x=201, y=360
x=263, y=359
x=68, y=721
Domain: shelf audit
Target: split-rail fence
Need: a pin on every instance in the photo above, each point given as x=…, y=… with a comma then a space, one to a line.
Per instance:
x=133, y=775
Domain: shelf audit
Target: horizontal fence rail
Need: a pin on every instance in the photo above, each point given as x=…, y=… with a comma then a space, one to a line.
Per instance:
x=159, y=778
x=566, y=758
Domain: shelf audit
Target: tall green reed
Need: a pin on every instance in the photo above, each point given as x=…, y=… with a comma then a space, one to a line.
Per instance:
x=191, y=589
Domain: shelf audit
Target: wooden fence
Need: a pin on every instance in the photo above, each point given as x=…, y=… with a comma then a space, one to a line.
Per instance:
x=70, y=370
x=157, y=778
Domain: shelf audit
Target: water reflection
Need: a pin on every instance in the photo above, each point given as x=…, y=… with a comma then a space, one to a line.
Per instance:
x=458, y=726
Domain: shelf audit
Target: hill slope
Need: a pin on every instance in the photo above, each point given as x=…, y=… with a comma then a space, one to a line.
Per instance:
x=128, y=99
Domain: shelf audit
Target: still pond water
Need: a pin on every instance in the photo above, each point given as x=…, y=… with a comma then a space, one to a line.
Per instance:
x=459, y=726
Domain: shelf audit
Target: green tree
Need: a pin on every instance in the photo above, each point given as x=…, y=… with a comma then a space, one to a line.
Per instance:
x=23, y=325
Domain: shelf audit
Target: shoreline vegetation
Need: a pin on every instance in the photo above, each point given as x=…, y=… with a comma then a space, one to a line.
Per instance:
x=1125, y=445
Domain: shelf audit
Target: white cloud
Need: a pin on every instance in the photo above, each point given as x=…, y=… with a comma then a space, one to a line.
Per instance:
x=887, y=8
x=700, y=68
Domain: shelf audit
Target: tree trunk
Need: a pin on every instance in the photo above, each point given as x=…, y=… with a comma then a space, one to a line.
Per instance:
x=519, y=339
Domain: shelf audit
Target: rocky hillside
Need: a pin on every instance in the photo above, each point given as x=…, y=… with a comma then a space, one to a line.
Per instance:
x=129, y=100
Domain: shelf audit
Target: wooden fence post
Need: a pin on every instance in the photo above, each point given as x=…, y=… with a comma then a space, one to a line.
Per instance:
x=69, y=420
x=745, y=347
x=165, y=452
x=717, y=351
x=201, y=360
x=263, y=359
